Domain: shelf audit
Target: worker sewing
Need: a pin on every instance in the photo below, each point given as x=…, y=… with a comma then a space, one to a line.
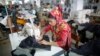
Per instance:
x=61, y=32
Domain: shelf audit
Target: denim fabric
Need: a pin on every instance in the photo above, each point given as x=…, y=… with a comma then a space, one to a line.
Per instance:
x=30, y=42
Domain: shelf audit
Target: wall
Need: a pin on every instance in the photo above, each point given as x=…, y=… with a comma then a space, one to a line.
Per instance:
x=46, y=1
x=77, y=5
x=80, y=4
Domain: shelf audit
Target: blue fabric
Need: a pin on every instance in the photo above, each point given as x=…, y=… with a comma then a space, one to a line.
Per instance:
x=31, y=42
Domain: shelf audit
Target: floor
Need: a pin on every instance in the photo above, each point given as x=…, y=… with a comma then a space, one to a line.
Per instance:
x=5, y=48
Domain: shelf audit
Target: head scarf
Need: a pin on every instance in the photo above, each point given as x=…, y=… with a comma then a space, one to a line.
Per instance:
x=59, y=7
x=56, y=13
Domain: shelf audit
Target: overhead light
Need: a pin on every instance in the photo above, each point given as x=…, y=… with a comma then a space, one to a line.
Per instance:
x=26, y=1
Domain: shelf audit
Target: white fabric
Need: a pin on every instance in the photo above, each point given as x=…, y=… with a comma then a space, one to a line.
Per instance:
x=80, y=16
x=62, y=2
x=27, y=14
x=37, y=33
x=47, y=9
x=15, y=40
x=89, y=35
x=34, y=12
x=31, y=30
x=28, y=28
x=1, y=18
x=4, y=21
x=38, y=3
x=80, y=27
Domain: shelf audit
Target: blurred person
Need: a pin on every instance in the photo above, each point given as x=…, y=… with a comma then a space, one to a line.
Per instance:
x=2, y=11
x=61, y=32
x=14, y=15
x=35, y=6
x=59, y=8
x=55, y=12
x=10, y=7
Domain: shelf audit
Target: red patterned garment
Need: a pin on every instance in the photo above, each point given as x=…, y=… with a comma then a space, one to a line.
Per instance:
x=62, y=32
x=57, y=14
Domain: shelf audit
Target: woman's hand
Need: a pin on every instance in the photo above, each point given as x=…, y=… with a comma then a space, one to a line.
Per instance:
x=39, y=39
x=44, y=42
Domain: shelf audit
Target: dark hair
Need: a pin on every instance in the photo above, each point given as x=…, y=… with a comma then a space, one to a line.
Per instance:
x=2, y=8
x=36, y=21
x=47, y=3
x=50, y=16
x=16, y=6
